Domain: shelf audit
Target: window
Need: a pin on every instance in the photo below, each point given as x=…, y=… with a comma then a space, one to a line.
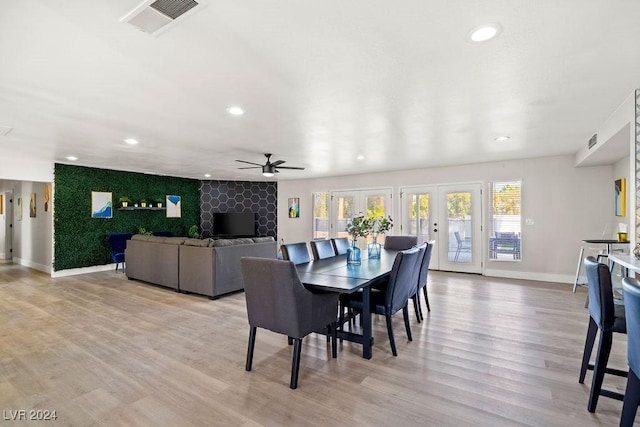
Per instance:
x=505, y=221
x=321, y=215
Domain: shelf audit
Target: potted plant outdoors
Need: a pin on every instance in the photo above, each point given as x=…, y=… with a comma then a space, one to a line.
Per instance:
x=379, y=225
x=360, y=226
x=143, y=203
x=159, y=201
x=124, y=201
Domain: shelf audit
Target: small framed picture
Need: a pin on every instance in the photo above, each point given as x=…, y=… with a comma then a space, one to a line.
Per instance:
x=294, y=207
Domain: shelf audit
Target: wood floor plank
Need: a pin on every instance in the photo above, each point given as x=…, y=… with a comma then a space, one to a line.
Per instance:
x=102, y=350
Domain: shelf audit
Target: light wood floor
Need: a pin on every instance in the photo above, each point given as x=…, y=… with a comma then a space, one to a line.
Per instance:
x=102, y=350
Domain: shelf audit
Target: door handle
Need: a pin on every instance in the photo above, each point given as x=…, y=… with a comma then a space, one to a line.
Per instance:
x=435, y=230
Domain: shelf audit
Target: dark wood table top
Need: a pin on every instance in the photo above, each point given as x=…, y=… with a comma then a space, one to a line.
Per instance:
x=604, y=241
x=334, y=275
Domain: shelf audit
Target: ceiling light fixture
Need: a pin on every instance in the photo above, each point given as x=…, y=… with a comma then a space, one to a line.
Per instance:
x=207, y=175
x=360, y=157
x=502, y=138
x=485, y=32
x=267, y=174
x=235, y=111
x=72, y=158
x=131, y=141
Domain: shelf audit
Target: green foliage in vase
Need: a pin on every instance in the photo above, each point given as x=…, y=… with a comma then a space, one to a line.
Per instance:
x=360, y=226
x=381, y=224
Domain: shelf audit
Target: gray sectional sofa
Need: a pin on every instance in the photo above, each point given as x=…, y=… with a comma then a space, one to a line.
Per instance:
x=202, y=266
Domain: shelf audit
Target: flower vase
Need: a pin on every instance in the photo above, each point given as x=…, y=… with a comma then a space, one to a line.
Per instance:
x=374, y=247
x=354, y=256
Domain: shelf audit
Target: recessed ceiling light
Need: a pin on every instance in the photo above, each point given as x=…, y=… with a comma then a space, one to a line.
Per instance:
x=485, y=32
x=131, y=141
x=207, y=175
x=502, y=138
x=360, y=157
x=72, y=158
x=235, y=111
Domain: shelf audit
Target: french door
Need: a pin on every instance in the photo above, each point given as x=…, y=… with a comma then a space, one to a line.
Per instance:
x=450, y=215
x=347, y=204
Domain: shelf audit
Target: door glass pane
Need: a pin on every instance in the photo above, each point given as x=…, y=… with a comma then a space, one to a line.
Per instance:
x=419, y=216
x=459, y=227
x=321, y=215
x=375, y=208
x=345, y=213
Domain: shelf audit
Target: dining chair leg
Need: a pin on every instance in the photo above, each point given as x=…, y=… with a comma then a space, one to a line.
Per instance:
x=289, y=340
x=407, y=326
x=426, y=298
x=390, y=332
x=419, y=305
x=416, y=303
x=604, y=348
x=592, y=331
x=252, y=344
x=334, y=340
x=295, y=366
x=631, y=400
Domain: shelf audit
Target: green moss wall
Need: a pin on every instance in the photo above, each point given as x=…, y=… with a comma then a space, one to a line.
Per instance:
x=81, y=241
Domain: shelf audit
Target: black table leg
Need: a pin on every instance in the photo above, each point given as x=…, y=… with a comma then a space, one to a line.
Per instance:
x=367, y=339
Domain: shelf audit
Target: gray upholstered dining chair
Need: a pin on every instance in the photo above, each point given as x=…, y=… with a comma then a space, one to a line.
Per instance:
x=631, y=291
x=400, y=243
x=277, y=301
x=340, y=245
x=606, y=317
x=322, y=249
x=423, y=273
x=295, y=252
x=400, y=286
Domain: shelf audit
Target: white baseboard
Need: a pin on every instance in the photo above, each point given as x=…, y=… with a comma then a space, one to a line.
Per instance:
x=31, y=264
x=525, y=275
x=83, y=270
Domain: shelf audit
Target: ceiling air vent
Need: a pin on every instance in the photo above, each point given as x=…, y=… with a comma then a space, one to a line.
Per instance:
x=153, y=16
x=593, y=141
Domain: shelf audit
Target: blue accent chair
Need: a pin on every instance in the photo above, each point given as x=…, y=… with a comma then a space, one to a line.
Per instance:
x=118, y=243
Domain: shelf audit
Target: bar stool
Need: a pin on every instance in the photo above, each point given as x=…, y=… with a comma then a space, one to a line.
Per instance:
x=607, y=318
x=631, y=290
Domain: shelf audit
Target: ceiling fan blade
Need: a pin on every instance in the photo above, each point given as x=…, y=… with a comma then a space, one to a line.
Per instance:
x=251, y=163
x=291, y=167
x=277, y=162
x=252, y=167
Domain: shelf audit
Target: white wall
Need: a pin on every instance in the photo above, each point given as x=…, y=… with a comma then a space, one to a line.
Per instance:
x=18, y=169
x=567, y=204
x=32, y=237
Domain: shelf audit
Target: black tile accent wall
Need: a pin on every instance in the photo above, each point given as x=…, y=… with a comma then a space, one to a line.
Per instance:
x=260, y=198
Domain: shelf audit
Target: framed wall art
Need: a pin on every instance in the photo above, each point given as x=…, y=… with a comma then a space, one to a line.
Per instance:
x=101, y=205
x=294, y=207
x=620, y=197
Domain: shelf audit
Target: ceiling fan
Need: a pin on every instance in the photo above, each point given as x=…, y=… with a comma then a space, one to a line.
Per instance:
x=268, y=169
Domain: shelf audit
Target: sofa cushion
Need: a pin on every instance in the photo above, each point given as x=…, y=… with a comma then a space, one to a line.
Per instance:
x=142, y=237
x=263, y=239
x=174, y=240
x=244, y=241
x=156, y=239
x=197, y=242
x=229, y=242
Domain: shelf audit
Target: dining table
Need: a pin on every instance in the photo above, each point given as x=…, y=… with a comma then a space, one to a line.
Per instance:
x=333, y=274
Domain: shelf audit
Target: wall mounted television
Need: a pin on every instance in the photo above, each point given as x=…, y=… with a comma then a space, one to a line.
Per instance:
x=234, y=224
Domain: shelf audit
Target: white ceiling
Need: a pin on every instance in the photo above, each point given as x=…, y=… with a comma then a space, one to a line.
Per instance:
x=320, y=81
